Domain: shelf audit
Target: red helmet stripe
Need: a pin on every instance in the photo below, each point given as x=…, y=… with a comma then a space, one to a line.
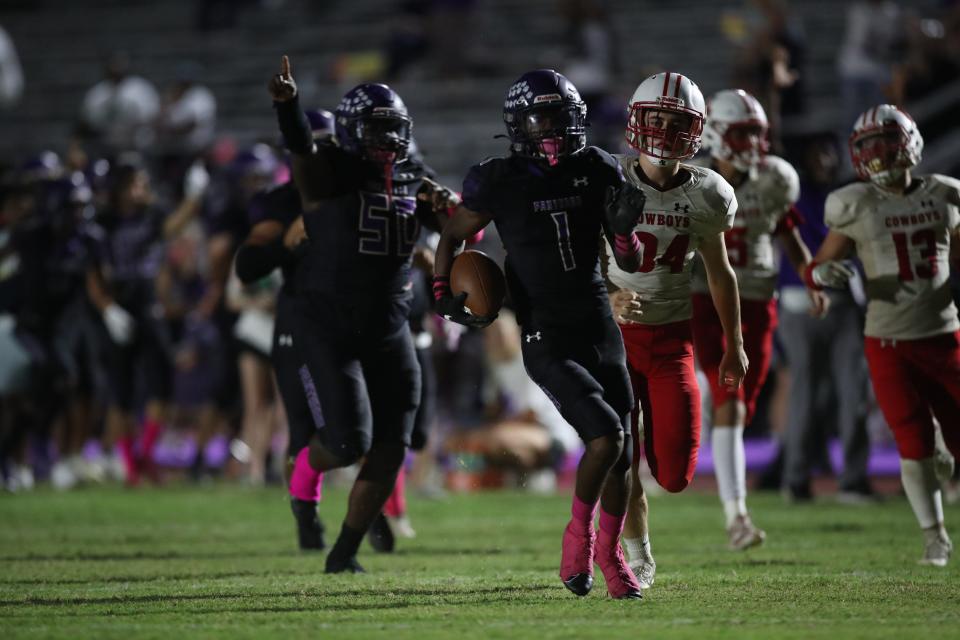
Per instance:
x=676, y=89
x=666, y=83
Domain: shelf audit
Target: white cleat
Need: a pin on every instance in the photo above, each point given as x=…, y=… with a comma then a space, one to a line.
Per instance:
x=62, y=476
x=744, y=534
x=401, y=527
x=937, y=549
x=644, y=569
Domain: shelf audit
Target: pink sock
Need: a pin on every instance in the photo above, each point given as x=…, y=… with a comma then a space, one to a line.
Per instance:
x=151, y=433
x=583, y=513
x=305, y=480
x=612, y=525
x=396, y=504
x=125, y=444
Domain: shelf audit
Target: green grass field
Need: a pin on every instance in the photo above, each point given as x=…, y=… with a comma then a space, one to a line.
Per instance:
x=221, y=562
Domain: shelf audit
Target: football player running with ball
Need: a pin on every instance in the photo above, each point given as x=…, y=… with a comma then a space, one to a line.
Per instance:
x=904, y=228
x=548, y=201
x=687, y=210
x=362, y=219
x=766, y=188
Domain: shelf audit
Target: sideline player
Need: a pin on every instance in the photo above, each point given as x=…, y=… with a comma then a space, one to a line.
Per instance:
x=275, y=241
x=362, y=220
x=904, y=228
x=766, y=188
x=547, y=198
x=687, y=210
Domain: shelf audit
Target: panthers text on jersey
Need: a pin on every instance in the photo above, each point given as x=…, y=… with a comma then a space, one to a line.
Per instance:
x=763, y=201
x=673, y=224
x=903, y=242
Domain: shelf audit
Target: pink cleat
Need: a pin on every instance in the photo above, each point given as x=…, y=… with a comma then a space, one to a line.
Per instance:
x=621, y=583
x=576, y=563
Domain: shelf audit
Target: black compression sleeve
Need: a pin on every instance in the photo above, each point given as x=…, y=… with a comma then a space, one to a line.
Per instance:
x=255, y=261
x=294, y=126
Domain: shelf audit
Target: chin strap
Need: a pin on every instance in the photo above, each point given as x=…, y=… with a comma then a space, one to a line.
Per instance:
x=388, y=181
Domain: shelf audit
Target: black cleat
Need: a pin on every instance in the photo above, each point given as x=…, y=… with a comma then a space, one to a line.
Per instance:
x=631, y=595
x=580, y=584
x=309, y=528
x=381, y=535
x=343, y=565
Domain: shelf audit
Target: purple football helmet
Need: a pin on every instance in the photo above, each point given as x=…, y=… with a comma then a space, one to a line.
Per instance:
x=258, y=160
x=545, y=117
x=372, y=122
x=45, y=165
x=322, y=124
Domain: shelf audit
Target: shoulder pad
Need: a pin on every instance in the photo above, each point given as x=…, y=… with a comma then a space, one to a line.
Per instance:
x=717, y=192
x=783, y=178
x=945, y=186
x=840, y=209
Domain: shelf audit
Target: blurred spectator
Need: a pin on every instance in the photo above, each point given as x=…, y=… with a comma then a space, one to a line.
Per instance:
x=408, y=41
x=197, y=346
x=213, y=15
x=255, y=306
x=187, y=122
x=11, y=74
x=769, y=64
x=873, y=36
x=593, y=65
x=123, y=292
x=119, y=112
x=818, y=351
x=931, y=61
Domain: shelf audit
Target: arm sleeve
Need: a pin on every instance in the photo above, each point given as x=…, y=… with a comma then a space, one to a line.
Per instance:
x=294, y=126
x=256, y=261
x=790, y=219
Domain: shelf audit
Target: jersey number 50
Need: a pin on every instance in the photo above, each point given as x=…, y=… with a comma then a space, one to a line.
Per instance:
x=385, y=232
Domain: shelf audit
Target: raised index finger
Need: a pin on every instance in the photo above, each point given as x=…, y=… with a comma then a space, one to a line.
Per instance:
x=285, y=67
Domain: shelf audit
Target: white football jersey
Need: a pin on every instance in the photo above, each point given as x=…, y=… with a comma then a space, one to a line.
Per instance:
x=903, y=242
x=763, y=199
x=670, y=230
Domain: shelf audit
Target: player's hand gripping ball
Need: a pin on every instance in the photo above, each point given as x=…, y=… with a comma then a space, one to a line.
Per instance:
x=474, y=293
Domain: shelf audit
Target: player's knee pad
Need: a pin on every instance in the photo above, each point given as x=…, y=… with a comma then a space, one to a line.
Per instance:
x=382, y=463
x=591, y=416
x=351, y=448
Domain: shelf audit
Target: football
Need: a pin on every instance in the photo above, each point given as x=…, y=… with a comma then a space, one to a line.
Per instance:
x=475, y=273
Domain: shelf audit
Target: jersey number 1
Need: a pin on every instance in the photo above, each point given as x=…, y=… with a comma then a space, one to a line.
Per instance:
x=926, y=238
